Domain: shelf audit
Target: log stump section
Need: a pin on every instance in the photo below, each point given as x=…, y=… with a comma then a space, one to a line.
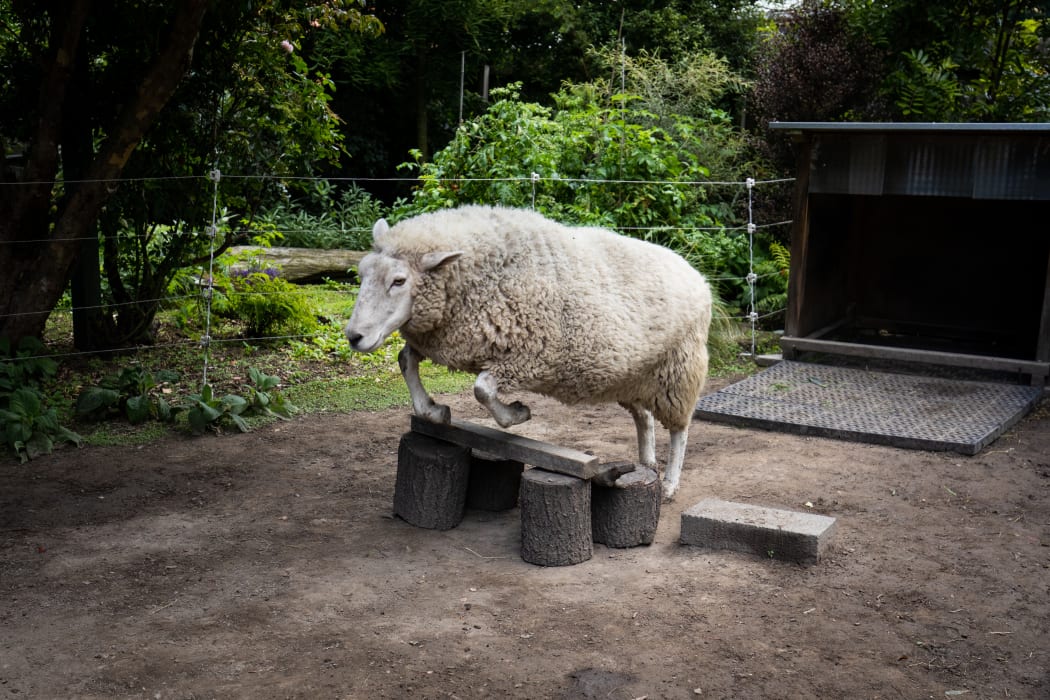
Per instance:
x=494, y=483
x=431, y=486
x=555, y=518
x=626, y=514
x=562, y=514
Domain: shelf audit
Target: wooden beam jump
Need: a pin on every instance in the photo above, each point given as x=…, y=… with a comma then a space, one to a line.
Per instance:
x=563, y=460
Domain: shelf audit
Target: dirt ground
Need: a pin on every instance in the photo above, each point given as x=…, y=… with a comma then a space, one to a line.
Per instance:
x=268, y=565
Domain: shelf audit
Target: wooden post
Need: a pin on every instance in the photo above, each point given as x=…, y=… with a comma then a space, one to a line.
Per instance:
x=431, y=486
x=555, y=518
x=626, y=514
x=494, y=482
x=793, y=322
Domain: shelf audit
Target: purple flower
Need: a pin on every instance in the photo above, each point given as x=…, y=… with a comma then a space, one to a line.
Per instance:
x=244, y=273
x=287, y=46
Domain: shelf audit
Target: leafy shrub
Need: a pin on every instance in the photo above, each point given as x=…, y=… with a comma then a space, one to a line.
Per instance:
x=269, y=306
x=492, y=156
x=325, y=218
x=28, y=366
x=27, y=425
x=247, y=290
x=131, y=393
x=207, y=411
x=812, y=66
x=618, y=165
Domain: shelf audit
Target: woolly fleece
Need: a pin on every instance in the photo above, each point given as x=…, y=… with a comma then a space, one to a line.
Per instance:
x=583, y=315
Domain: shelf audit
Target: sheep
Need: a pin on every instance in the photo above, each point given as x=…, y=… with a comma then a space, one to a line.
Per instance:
x=583, y=315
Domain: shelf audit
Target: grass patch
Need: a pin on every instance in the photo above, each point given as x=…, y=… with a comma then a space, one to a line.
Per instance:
x=122, y=434
x=372, y=392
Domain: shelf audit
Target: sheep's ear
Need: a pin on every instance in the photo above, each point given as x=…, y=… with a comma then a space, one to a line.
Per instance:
x=380, y=229
x=432, y=261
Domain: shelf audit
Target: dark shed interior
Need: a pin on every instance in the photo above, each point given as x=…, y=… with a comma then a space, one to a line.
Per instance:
x=923, y=242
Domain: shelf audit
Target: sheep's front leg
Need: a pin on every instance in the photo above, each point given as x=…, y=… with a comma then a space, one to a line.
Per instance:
x=673, y=472
x=486, y=390
x=644, y=426
x=424, y=406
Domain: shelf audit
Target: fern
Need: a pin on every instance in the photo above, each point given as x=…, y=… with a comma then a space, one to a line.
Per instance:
x=781, y=257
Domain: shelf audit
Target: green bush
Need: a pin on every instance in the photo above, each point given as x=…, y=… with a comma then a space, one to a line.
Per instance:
x=27, y=425
x=208, y=411
x=244, y=290
x=131, y=393
x=608, y=160
x=326, y=218
x=639, y=162
x=269, y=306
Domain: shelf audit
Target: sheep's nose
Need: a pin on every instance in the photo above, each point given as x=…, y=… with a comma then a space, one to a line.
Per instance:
x=354, y=339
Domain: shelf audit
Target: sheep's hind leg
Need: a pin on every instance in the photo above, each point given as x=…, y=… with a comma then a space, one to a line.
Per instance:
x=673, y=472
x=486, y=390
x=424, y=406
x=646, y=429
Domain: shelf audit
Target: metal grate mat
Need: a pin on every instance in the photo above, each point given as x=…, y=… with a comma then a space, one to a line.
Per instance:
x=909, y=411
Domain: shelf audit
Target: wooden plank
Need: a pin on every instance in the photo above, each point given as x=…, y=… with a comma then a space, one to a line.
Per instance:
x=950, y=359
x=504, y=445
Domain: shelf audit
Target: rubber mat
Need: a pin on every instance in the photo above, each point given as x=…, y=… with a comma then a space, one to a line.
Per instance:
x=902, y=410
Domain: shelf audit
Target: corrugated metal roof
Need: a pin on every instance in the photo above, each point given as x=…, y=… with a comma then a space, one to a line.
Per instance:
x=979, y=161
x=917, y=127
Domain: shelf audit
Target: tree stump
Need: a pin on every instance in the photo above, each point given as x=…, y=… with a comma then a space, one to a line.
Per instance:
x=431, y=486
x=494, y=483
x=626, y=514
x=555, y=518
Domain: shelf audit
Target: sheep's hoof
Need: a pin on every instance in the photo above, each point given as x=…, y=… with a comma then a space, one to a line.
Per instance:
x=519, y=413
x=437, y=413
x=511, y=414
x=669, y=491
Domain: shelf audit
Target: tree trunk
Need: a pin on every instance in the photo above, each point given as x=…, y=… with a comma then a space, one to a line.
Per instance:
x=420, y=87
x=85, y=284
x=36, y=261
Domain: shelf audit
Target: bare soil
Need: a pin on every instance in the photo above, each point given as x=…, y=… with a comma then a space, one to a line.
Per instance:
x=268, y=565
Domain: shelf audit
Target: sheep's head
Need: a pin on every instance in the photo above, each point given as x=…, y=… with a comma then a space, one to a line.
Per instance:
x=389, y=285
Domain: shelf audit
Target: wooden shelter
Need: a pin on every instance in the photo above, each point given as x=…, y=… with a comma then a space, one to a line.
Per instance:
x=922, y=243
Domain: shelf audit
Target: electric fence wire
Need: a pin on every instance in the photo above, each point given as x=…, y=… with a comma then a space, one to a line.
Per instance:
x=212, y=231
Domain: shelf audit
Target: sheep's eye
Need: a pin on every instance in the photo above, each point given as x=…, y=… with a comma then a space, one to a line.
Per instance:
x=398, y=282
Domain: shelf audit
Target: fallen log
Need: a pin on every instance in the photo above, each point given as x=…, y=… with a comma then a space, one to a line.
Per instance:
x=302, y=264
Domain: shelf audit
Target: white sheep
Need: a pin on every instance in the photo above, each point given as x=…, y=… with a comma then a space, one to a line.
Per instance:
x=583, y=315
